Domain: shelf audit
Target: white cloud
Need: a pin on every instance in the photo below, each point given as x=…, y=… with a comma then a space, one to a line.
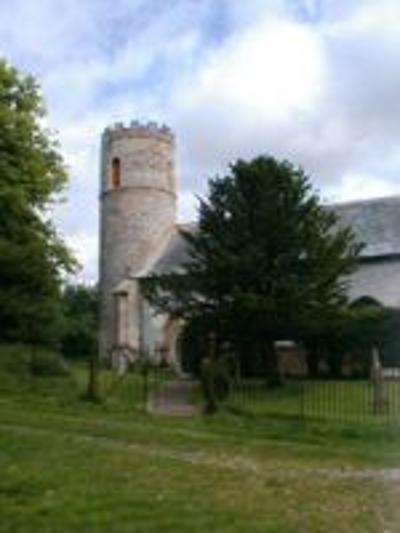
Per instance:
x=187, y=206
x=316, y=82
x=324, y=95
x=251, y=95
x=271, y=70
x=357, y=186
x=85, y=248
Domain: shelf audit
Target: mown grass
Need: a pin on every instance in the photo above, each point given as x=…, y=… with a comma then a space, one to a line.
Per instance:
x=326, y=400
x=68, y=465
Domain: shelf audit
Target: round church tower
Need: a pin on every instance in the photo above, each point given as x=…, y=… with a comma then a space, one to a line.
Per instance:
x=137, y=216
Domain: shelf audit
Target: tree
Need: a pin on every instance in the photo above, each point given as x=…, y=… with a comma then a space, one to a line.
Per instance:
x=80, y=310
x=267, y=261
x=352, y=332
x=33, y=259
x=80, y=338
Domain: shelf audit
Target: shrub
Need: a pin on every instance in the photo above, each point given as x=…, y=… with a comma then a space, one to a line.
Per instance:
x=19, y=361
x=47, y=363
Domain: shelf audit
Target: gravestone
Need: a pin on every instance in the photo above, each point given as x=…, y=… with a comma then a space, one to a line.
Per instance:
x=379, y=401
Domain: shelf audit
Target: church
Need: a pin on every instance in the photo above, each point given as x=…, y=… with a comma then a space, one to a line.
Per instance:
x=139, y=236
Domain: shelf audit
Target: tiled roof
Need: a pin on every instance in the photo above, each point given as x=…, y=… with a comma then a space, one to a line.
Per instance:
x=376, y=224
x=175, y=254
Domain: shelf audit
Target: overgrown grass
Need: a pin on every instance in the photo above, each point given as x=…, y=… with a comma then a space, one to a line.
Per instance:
x=68, y=465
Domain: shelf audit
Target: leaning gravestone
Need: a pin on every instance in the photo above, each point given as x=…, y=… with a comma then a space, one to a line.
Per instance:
x=379, y=402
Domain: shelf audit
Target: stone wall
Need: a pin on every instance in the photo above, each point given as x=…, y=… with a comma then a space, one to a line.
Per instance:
x=136, y=218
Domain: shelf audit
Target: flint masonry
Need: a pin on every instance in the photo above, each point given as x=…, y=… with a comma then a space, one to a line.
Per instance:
x=139, y=235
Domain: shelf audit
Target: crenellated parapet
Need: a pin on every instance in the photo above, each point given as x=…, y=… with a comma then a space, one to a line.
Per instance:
x=137, y=216
x=137, y=129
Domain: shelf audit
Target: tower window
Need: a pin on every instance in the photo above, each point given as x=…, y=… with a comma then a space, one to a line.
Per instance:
x=116, y=173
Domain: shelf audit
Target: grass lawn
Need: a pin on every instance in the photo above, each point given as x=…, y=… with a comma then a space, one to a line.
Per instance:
x=67, y=465
x=326, y=400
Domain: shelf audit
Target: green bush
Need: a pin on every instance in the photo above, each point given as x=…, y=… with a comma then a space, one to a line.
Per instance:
x=14, y=359
x=79, y=338
x=22, y=360
x=47, y=363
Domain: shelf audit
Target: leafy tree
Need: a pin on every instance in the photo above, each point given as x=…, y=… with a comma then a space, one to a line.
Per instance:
x=33, y=259
x=267, y=261
x=390, y=345
x=352, y=332
x=80, y=309
x=80, y=338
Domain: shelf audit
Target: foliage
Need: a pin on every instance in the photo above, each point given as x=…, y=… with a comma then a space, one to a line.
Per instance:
x=80, y=332
x=390, y=345
x=349, y=339
x=194, y=345
x=267, y=262
x=361, y=331
x=47, y=363
x=80, y=307
x=33, y=259
x=21, y=362
x=349, y=335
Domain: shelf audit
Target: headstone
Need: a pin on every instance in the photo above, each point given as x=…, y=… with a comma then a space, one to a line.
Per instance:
x=379, y=401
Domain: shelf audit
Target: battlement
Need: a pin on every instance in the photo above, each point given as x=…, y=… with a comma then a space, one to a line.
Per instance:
x=138, y=213
x=137, y=129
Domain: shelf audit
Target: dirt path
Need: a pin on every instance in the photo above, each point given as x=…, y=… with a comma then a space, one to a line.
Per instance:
x=261, y=471
x=175, y=398
x=223, y=461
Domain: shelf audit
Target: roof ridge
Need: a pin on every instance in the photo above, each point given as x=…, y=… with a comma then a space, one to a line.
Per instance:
x=394, y=198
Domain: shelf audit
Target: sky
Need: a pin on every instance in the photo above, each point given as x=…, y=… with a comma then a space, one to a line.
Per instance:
x=313, y=81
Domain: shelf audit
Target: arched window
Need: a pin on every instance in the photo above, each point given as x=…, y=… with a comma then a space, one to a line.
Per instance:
x=116, y=173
